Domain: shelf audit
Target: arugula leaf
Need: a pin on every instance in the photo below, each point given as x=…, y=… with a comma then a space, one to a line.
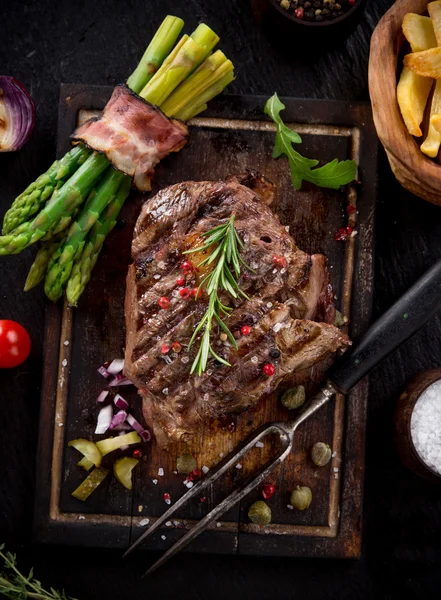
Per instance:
x=332, y=175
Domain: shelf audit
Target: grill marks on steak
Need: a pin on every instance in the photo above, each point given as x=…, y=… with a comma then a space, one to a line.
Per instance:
x=283, y=307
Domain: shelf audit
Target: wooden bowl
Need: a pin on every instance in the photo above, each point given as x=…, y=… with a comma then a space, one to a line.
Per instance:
x=403, y=416
x=415, y=171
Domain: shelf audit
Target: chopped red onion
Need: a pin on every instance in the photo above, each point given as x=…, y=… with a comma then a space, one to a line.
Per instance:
x=120, y=402
x=104, y=372
x=102, y=396
x=119, y=379
x=116, y=366
x=124, y=427
x=104, y=419
x=17, y=114
x=144, y=433
x=119, y=418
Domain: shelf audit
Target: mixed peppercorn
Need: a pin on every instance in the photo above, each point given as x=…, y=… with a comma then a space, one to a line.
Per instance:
x=317, y=10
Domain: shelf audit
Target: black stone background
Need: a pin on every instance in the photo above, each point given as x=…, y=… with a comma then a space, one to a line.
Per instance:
x=44, y=43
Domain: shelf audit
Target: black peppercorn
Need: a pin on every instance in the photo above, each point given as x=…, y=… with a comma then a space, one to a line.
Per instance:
x=274, y=353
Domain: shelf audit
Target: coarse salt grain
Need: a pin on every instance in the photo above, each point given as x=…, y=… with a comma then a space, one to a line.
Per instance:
x=189, y=484
x=218, y=524
x=144, y=522
x=165, y=391
x=277, y=327
x=238, y=466
x=157, y=276
x=259, y=444
x=221, y=454
x=161, y=472
x=206, y=397
x=425, y=426
x=205, y=469
x=81, y=518
x=64, y=363
x=254, y=359
x=290, y=506
x=269, y=304
x=185, y=359
x=168, y=524
x=163, y=537
x=66, y=343
x=155, y=481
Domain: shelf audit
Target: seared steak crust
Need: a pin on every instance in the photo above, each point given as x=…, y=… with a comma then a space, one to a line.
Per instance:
x=287, y=297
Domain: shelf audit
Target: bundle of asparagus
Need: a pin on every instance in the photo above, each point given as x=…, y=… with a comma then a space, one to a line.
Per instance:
x=75, y=204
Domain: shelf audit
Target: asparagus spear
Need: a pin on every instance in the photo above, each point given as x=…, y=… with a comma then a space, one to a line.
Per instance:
x=37, y=193
x=85, y=262
x=61, y=263
x=211, y=71
x=68, y=198
x=157, y=51
x=38, y=269
x=199, y=104
x=185, y=59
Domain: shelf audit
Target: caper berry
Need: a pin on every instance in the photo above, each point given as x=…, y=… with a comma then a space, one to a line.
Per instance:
x=339, y=320
x=186, y=463
x=260, y=513
x=294, y=397
x=321, y=454
x=301, y=497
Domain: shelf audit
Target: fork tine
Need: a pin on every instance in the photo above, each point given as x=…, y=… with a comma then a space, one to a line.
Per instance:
x=221, y=508
x=217, y=472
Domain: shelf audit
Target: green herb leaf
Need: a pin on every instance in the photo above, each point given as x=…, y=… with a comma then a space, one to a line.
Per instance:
x=332, y=175
x=224, y=277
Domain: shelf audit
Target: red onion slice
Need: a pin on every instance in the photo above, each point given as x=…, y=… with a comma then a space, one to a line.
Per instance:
x=116, y=366
x=102, y=396
x=104, y=372
x=120, y=402
x=17, y=114
x=104, y=419
x=118, y=380
x=118, y=419
x=144, y=433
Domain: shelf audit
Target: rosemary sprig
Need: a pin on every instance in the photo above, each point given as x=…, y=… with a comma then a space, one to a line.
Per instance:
x=223, y=277
x=14, y=584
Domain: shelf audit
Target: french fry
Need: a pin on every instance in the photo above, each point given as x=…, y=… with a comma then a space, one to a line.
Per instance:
x=434, y=9
x=418, y=31
x=412, y=93
x=432, y=143
x=426, y=63
x=435, y=121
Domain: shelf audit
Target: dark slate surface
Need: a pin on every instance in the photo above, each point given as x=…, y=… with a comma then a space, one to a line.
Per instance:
x=44, y=44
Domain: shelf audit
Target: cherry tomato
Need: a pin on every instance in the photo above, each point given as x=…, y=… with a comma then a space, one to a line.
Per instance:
x=15, y=344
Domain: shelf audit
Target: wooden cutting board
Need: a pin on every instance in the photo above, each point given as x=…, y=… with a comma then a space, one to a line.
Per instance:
x=233, y=135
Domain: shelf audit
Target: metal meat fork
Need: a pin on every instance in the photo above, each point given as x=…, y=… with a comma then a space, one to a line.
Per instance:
x=401, y=321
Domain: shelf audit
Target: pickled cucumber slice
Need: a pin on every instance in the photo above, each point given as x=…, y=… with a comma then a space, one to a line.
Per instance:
x=85, y=463
x=113, y=443
x=90, y=484
x=89, y=449
x=122, y=470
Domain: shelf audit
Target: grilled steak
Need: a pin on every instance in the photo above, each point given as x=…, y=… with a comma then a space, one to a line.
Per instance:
x=290, y=310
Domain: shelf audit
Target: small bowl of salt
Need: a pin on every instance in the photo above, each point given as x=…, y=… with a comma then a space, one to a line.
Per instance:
x=418, y=425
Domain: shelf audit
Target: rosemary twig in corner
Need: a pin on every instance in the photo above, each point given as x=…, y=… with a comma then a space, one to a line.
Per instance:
x=223, y=277
x=13, y=584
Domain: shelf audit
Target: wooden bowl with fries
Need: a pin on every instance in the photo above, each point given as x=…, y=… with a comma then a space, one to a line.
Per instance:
x=405, y=91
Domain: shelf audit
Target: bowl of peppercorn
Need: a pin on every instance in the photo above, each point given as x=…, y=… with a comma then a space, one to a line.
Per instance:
x=317, y=21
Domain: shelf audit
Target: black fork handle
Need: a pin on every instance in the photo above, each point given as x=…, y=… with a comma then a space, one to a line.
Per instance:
x=399, y=323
